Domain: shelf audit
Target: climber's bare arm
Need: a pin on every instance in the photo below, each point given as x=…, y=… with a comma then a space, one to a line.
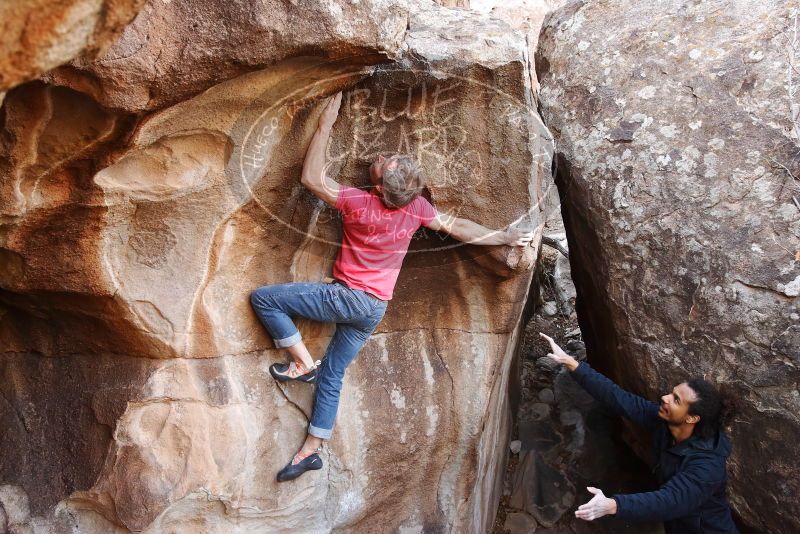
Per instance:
x=473, y=233
x=314, y=177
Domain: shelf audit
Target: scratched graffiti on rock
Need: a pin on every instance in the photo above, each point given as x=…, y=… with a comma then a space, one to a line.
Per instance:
x=421, y=122
x=442, y=124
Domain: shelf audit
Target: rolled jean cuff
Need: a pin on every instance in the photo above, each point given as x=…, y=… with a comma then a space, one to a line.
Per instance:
x=294, y=339
x=321, y=433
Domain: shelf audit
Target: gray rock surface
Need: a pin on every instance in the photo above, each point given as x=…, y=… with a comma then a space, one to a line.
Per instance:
x=519, y=523
x=677, y=167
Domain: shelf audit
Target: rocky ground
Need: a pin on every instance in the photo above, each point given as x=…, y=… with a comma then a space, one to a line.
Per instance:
x=563, y=440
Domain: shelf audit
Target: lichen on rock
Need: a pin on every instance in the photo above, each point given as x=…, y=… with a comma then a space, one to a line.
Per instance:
x=676, y=164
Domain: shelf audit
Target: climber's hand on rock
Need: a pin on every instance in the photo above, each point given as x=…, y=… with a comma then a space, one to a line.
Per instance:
x=331, y=111
x=518, y=236
x=558, y=354
x=599, y=506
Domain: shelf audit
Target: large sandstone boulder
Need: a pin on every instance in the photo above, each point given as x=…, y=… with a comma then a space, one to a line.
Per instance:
x=525, y=16
x=173, y=50
x=134, y=374
x=678, y=171
x=40, y=34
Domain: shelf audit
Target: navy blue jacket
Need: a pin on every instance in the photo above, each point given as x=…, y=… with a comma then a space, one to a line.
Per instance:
x=691, y=475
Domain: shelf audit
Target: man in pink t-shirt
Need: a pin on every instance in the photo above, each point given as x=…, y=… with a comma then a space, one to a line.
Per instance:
x=375, y=239
x=377, y=227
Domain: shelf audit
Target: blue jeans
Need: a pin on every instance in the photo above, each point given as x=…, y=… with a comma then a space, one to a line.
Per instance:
x=356, y=315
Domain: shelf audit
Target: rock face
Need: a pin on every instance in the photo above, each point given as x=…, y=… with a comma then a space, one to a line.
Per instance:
x=173, y=50
x=677, y=165
x=525, y=16
x=134, y=374
x=39, y=35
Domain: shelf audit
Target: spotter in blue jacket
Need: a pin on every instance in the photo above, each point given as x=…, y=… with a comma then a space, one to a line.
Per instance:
x=691, y=474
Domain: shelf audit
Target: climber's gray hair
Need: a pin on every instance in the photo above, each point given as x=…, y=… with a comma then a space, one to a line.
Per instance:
x=403, y=183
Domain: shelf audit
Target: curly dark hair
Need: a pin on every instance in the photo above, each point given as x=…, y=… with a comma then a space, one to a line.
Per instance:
x=715, y=408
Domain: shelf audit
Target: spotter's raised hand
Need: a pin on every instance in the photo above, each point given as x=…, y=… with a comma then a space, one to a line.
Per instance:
x=557, y=354
x=599, y=506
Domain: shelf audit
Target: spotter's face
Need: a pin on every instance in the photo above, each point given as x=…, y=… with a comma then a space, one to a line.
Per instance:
x=675, y=405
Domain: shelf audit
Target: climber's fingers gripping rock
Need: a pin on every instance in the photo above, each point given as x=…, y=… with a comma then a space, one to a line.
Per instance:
x=331, y=111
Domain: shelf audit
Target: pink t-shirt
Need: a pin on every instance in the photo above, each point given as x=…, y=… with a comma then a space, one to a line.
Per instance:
x=375, y=239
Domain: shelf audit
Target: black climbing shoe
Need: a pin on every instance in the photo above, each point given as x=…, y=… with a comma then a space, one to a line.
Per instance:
x=312, y=462
x=286, y=372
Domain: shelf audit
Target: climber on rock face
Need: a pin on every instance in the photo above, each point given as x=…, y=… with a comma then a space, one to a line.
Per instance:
x=377, y=227
x=691, y=452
